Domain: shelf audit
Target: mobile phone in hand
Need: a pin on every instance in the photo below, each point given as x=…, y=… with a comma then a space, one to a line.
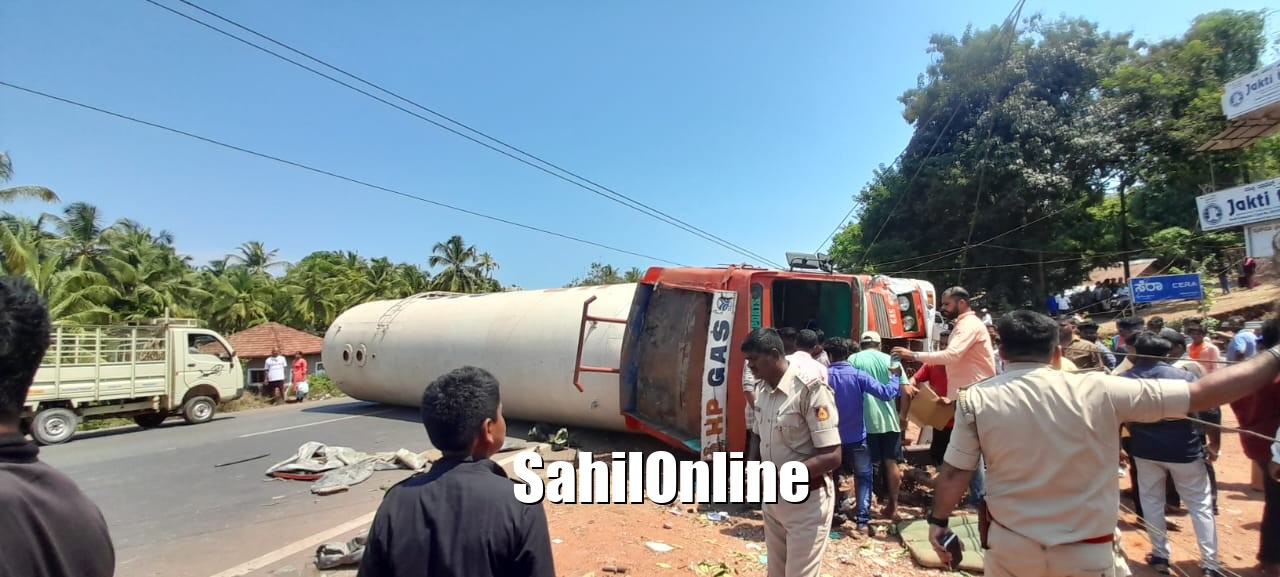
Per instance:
x=951, y=542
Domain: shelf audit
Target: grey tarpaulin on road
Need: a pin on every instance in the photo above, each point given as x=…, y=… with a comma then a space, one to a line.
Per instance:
x=341, y=554
x=338, y=468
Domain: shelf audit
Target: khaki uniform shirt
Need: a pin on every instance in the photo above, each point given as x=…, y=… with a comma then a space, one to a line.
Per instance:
x=1084, y=354
x=797, y=417
x=1050, y=443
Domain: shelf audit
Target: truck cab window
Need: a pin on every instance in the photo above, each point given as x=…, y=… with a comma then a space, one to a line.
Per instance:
x=206, y=345
x=798, y=301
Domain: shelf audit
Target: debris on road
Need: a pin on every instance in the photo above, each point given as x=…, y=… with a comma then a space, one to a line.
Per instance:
x=658, y=546
x=237, y=462
x=541, y=432
x=336, y=469
x=340, y=554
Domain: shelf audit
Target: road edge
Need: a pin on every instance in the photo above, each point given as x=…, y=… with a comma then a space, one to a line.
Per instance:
x=296, y=547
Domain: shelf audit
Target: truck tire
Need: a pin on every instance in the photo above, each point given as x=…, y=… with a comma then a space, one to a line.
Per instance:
x=199, y=410
x=150, y=420
x=54, y=425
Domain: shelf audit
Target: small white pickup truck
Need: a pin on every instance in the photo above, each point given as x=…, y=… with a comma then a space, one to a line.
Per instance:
x=144, y=371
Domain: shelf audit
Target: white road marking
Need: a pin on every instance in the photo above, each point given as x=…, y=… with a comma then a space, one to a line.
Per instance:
x=296, y=546
x=311, y=424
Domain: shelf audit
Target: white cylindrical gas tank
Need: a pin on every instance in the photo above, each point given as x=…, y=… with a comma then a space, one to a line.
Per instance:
x=389, y=351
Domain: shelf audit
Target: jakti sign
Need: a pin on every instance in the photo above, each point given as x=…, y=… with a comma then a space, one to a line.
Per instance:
x=1251, y=92
x=1239, y=206
x=1174, y=287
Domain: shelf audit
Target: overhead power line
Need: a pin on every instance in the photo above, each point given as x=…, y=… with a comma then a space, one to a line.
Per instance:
x=593, y=187
x=991, y=266
x=991, y=127
x=946, y=253
x=1017, y=9
x=328, y=173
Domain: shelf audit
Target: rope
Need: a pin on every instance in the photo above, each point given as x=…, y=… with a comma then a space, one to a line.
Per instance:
x=1233, y=429
x=1146, y=526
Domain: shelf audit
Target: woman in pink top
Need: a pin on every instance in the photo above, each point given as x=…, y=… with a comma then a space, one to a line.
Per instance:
x=299, y=369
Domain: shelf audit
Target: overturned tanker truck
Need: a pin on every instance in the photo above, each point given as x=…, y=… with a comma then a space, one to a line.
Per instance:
x=659, y=357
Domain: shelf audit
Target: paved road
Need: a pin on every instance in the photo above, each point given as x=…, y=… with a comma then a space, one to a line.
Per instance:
x=172, y=511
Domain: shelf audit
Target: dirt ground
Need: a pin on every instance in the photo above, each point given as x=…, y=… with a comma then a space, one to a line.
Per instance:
x=589, y=540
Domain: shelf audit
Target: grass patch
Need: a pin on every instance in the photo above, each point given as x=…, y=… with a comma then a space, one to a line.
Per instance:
x=321, y=385
x=247, y=402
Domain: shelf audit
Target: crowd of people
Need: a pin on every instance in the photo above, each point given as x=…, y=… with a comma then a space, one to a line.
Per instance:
x=1170, y=460
x=1059, y=408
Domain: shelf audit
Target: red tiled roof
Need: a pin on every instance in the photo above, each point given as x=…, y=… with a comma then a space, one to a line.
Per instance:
x=1140, y=267
x=257, y=342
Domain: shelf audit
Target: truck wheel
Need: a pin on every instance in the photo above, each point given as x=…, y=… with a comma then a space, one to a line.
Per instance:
x=150, y=420
x=198, y=410
x=54, y=425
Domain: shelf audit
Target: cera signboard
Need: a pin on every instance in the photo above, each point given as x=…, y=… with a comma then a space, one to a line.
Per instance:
x=1175, y=287
x=1239, y=206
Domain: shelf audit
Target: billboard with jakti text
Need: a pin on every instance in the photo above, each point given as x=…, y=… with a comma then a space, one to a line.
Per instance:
x=1251, y=92
x=1239, y=206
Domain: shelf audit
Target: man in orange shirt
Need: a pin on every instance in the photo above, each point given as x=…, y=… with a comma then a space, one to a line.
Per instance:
x=1201, y=350
x=968, y=358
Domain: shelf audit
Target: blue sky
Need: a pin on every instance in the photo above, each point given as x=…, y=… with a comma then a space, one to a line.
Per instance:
x=756, y=121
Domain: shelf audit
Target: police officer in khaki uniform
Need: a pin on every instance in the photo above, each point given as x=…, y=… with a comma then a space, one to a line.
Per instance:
x=1050, y=443
x=796, y=420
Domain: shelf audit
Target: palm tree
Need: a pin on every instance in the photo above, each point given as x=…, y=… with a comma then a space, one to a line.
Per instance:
x=459, y=274
x=256, y=257
x=152, y=278
x=415, y=279
x=240, y=299
x=14, y=193
x=487, y=265
x=24, y=243
x=82, y=235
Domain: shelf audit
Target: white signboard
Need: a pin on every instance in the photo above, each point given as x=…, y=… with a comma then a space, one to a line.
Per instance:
x=715, y=372
x=1262, y=240
x=1253, y=91
x=1257, y=202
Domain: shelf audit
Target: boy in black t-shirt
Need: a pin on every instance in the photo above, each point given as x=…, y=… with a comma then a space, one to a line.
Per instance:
x=462, y=517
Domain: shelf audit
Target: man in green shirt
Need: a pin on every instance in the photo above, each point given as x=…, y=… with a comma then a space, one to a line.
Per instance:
x=884, y=434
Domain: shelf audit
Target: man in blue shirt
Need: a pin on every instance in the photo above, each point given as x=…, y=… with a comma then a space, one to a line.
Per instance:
x=1244, y=342
x=850, y=384
x=1173, y=447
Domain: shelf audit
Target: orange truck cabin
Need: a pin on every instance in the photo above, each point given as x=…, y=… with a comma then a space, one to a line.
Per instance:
x=681, y=369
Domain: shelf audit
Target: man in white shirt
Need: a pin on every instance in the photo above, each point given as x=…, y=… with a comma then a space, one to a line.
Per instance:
x=807, y=347
x=275, y=365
